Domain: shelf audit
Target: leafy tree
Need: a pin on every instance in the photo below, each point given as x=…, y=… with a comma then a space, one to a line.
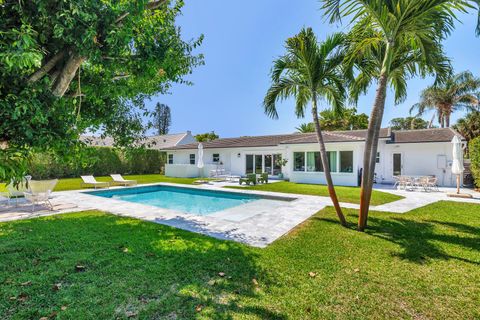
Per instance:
x=205, y=137
x=469, y=126
x=163, y=118
x=408, y=123
x=72, y=65
x=306, y=128
x=310, y=71
x=458, y=92
x=347, y=120
x=331, y=121
x=390, y=42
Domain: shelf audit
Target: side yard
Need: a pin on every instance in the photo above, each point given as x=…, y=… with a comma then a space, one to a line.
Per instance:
x=423, y=264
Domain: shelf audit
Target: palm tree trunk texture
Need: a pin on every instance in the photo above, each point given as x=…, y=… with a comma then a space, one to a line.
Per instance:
x=326, y=166
x=371, y=146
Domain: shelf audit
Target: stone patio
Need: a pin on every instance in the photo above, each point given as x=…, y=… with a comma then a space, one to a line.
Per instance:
x=257, y=223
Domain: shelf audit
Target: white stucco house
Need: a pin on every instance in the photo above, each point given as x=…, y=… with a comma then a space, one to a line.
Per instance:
x=158, y=142
x=406, y=152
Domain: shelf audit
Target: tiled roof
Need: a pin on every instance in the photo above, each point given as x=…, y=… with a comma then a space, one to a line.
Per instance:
x=425, y=135
x=404, y=136
x=152, y=142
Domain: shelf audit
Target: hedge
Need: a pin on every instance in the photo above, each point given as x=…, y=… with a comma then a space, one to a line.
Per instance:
x=98, y=161
x=474, y=149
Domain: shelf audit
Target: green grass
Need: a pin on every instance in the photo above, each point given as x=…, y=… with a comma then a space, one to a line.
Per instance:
x=345, y=194
x=424, y=265
x=74, y=183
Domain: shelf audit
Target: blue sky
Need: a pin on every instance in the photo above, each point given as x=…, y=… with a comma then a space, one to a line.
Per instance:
x=242, y=38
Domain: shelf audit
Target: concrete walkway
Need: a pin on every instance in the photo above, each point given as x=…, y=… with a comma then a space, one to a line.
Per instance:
x=257, y=223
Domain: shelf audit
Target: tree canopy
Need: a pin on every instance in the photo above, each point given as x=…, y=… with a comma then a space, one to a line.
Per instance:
x=348, y=119
x=68, y=66
x=163, y=118
x=408, y=123
x=205, y=137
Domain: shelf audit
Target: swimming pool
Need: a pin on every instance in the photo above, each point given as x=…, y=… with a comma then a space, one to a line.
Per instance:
x=188, y=200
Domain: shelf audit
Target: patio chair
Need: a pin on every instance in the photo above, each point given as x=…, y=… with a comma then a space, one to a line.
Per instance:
x=396, y=180
x=40, y=192
x=118, y=179
x=89, y=181
x=432, y=183
x=263, y=178
x=15, y=192
x=250, y=179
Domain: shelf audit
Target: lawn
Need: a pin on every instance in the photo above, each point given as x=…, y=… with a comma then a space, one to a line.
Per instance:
x=345, y=194
x=422, y=265
x=74, y=183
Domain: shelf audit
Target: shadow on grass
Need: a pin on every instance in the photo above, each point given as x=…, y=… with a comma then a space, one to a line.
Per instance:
x=132, y=269
x=421, y=240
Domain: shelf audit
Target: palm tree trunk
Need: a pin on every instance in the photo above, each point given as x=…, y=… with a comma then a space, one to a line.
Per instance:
x=326, y=166
x=371, y=146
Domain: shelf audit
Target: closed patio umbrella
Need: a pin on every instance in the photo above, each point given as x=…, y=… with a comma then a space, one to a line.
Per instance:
x=457, y=165
x=200, y=156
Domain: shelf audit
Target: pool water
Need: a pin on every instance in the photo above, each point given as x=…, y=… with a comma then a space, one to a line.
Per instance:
x=188, y=200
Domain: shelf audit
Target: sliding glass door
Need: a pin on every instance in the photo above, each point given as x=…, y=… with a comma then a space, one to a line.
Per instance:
x=259, y=163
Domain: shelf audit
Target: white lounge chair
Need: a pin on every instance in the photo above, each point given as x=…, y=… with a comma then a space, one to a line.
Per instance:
x=40, y=192
x=15, y=192
x=89, y=181
x=118, y=179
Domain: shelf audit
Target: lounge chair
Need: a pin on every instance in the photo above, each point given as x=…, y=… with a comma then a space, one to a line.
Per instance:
x=263, y=178
x=89, y=181
x=40, y=192
x=250, y=179
x=118, y=179
x=15, y=192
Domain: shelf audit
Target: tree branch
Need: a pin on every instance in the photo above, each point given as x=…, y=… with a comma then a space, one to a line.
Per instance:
x=66, y=75
x=40, y=73
x=153, y=5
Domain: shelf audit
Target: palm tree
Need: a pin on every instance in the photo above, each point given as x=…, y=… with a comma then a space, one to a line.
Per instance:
x=469, y=127
x=310, y=72
x=458, y=92
x=306, y=128
x=389, y=42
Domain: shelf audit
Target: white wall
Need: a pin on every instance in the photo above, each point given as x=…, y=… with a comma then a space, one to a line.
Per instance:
x=339, y=178
x=417, y=159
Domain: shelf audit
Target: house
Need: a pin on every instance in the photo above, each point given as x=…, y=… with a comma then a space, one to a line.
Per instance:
x=151, y=142
x=406, y=152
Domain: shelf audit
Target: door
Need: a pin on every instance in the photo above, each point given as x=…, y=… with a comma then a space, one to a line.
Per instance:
x=397, y=164
x=249, y=163
x=268, y=161
x=258, y=164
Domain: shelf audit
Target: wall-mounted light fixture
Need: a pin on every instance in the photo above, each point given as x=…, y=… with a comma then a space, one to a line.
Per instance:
x=239, y=155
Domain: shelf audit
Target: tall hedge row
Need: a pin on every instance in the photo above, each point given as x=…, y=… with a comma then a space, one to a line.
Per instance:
x=98, y=161
x=474, y=150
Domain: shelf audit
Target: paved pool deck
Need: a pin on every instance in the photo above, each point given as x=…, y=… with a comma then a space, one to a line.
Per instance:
x=257, y=223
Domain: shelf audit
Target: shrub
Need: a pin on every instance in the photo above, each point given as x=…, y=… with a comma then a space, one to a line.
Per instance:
x=474, y=148
x=99, y=161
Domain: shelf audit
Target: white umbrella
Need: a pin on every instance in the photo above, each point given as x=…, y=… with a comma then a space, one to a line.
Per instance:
x=200, y=156
x=457, y=165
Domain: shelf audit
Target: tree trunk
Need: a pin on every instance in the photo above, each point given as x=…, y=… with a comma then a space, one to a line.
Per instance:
x=371, y=146
x=49, y=65
x=326, y=166
x=67, y=74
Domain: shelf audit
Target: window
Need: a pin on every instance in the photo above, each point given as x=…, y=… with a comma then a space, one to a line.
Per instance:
x=299, y=161
x=277, y=164
x=314, y=162
x=377, y=159
x=216, y=157
x=346, y=161
x=192, y=158
x=170, y=159
x=258, y=163
x=332, y=160
x=249, y=163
